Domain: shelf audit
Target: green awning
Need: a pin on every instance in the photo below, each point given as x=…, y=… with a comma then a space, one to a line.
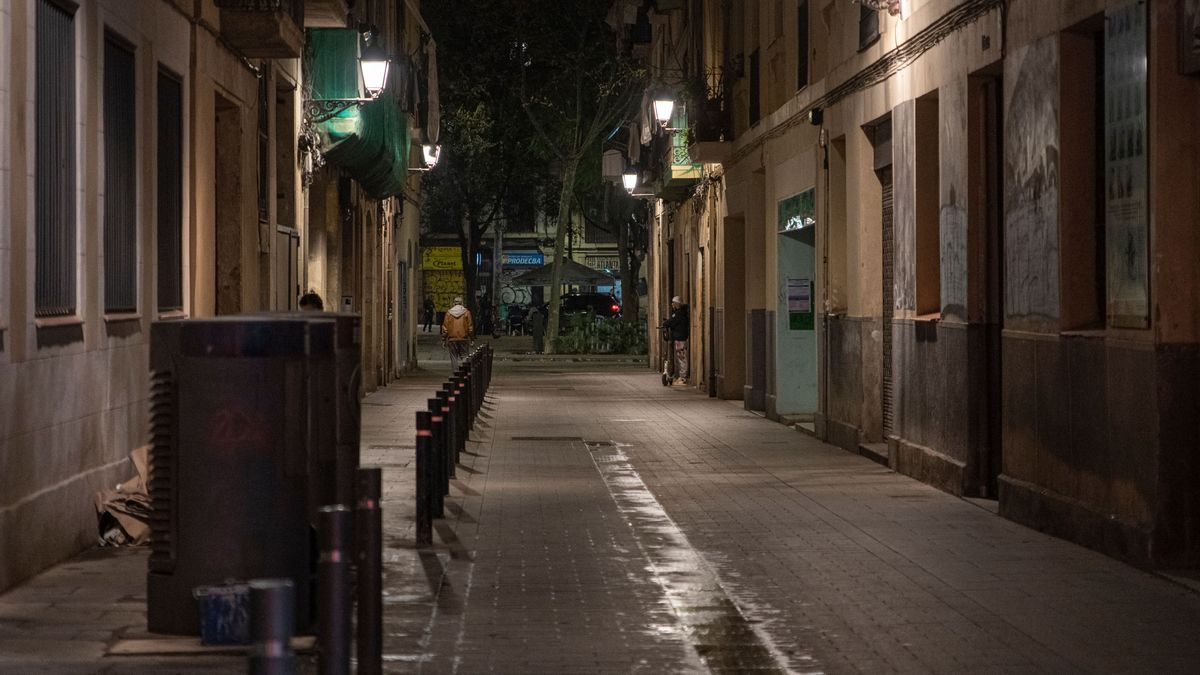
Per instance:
x=370, y=141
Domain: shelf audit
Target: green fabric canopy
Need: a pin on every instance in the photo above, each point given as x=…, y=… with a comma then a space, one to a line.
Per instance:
x=370, y=141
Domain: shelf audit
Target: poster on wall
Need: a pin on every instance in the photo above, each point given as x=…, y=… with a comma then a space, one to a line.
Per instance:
x=1126, y=167
x=799, y=303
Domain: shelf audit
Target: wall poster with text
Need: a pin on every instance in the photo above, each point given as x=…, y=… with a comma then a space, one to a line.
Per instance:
x=1126, y=167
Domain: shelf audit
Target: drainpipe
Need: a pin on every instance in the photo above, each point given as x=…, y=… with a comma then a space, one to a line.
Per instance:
x=823, y=363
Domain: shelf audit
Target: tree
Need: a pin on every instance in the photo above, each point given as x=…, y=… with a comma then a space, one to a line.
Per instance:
x=576, y=86
x=490, y=156
x=616, y=212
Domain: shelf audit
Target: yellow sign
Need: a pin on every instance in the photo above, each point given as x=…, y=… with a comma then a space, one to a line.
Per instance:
x=442, y=286
x=441, y=258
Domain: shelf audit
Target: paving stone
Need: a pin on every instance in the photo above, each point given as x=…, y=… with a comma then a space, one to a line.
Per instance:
x=694, y=537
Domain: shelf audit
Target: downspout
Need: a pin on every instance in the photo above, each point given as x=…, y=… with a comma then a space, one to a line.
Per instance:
x=823, y=363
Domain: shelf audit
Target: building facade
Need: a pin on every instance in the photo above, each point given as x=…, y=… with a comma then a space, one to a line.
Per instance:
x=954, y=236
x=155, y=164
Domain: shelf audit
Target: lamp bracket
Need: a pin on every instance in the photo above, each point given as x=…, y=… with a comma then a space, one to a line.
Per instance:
x=324, y=109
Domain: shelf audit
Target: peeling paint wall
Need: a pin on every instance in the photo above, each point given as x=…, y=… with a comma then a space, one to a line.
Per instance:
x=1031, y=293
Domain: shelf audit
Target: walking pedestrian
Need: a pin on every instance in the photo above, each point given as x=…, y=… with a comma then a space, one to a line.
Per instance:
x=537, y=326
x=429, y=311
x=679, y=327
x=458, y=328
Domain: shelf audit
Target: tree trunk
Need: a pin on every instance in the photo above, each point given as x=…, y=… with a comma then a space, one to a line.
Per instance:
x=560, y=238
x=466, y=246
x=630, y=303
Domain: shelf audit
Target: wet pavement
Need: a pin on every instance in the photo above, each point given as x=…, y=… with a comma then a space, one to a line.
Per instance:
x=601, y=523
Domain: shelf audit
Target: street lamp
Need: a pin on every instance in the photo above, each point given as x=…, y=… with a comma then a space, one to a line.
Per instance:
x=629, y=179
x=373, y=65
x=663, y=109
x=431, y=154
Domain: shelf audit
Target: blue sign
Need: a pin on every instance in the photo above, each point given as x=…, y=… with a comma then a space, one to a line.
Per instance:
x=523, y=259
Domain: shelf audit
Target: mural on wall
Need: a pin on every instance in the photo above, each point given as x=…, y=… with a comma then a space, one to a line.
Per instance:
x=952, y=212
x=904, y=214
x=442, y=272
x=1031, y=184
x=1126, y=166
x=443, y=286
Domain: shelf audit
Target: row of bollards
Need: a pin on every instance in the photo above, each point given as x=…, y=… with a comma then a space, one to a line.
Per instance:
x=442, y=433
x=349, y=567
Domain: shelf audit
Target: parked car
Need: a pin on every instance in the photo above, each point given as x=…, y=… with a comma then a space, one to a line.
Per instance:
x=602, y=304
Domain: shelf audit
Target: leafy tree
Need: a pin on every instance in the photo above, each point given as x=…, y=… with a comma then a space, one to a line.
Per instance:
x=576, y=86
x=491, y=158
x=614, y=211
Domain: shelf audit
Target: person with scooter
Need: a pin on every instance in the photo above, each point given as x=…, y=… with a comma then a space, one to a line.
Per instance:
x=678, y=328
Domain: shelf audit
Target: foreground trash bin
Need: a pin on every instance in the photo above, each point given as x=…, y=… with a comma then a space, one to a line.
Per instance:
x=229, y=464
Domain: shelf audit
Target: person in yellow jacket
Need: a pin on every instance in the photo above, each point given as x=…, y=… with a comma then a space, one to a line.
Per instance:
x=458, y=329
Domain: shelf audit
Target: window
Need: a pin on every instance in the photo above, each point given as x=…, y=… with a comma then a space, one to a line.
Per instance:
x=170, y=192
x=755, y=89
x=120, y=178
x=54, y=285
x=868, y=26
x=802, y=47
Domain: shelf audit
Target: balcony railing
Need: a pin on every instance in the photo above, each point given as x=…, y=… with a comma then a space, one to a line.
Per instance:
x=271, y=29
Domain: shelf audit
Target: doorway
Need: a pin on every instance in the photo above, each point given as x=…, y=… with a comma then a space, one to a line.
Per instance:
x=889, y=300
x=795, y=337
x=287, y=273
x=227, y=197
x=986, y=149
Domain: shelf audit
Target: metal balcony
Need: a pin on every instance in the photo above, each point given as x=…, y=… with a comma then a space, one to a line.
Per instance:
x=711, y=134
x=325, y=13
x=268, y=29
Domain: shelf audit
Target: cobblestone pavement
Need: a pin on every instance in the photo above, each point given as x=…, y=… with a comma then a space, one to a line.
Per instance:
x=602, y=523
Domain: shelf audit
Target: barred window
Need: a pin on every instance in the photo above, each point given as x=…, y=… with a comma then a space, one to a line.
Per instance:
x=54, y=233
x=802, y=46
x=120, y=178
x=170, y=192
x=868, y=26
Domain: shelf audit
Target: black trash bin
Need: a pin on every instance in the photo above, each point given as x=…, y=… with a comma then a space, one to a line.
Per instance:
x=230, y=458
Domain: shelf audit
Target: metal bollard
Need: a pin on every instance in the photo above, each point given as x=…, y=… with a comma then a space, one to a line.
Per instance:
x=456, y=419
x=272, y=611
x=368, y=529
x=333, y=591
x=469, y=400
x=440, y=469
x=450, y=429
x=424, y=479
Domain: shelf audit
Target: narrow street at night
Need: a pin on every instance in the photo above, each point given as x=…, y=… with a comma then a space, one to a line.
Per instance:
x=603, y=523
x=350, y=337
